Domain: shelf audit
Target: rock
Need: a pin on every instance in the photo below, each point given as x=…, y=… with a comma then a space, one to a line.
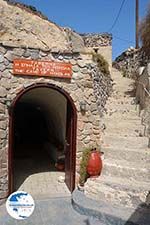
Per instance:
x=2, y=134
x=87, y=77
x=93, y=99
x=87, y=140
x=3, y=125
x=2, y=117
x=93, y=107
x=96, y=123
x=27, y=53
x=75, y=39
x=2, y=67
x=88, y=84
x=73, y=62
x=97, y=127
x=96, y=131
x=6, y=62
x=9, y=55
x=43, y=54
x=35, y=54
x=6, y=74
x=75, y=68
x=60, y=57
x=86, y=132
x=18, y=52
x=1, y=58
x=2, y=50
x=3, y=92
x=6, y=84
x=85, y=71
x=68, y=56
x=2, y=108
x=77, y=56
x=77, y=76
x=81, y=63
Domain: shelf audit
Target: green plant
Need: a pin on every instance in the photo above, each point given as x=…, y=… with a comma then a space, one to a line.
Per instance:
x=101, y=63
x=83, y=164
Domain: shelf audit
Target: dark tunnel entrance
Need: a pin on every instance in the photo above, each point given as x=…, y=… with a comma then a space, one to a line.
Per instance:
x=41, y=142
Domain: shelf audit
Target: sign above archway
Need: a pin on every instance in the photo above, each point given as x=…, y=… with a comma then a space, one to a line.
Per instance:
x=42, y=68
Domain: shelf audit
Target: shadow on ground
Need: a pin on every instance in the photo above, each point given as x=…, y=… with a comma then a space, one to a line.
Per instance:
x=141, y=216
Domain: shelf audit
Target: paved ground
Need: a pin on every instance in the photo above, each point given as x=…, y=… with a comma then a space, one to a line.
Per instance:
x=40, y=179
x=36, y=174
x=53, y=211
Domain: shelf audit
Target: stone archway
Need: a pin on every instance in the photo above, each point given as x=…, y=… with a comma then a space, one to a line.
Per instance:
x=60, y=113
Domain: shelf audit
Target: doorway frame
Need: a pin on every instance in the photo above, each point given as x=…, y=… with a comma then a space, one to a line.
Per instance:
x=11, y=130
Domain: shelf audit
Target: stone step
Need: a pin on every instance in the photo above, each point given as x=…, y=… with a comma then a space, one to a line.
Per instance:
x=123, y=183
x=122, y=110
x=126, y=169
x=118, y=78
x=129, y=154
x=126, y=133
x=136, y=131
x=123, y=90
x=122, y=86
x=122, y=100
x=120, y=97
x=127, y=107
x=126, y=172
x=119, y=191
x=121, y=113
x=108, y=213
x=122, y=117
x=125, y=142
x=122, y=103
x=123, y=123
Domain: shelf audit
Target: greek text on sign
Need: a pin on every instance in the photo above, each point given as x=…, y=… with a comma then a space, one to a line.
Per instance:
x=42, y=68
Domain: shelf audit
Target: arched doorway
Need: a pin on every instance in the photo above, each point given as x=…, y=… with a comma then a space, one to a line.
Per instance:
x=43, y=126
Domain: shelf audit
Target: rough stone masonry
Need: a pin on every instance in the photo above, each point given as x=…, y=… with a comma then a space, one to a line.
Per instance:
x=24, y=34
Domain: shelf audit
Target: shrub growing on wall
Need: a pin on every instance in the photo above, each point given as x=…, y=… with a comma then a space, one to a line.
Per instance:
x=102, y=64
x=83, y=165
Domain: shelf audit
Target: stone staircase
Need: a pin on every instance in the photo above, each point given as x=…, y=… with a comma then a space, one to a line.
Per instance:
x=125, y=179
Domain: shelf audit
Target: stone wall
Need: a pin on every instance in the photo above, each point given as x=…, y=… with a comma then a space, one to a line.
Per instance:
x=129, y=62
x=18, y=30
x=100, y=43
x=143, y=81
x=97, y=40
x=87, y=84
x=143, y=97
x=21, y=36
x=24, y=28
